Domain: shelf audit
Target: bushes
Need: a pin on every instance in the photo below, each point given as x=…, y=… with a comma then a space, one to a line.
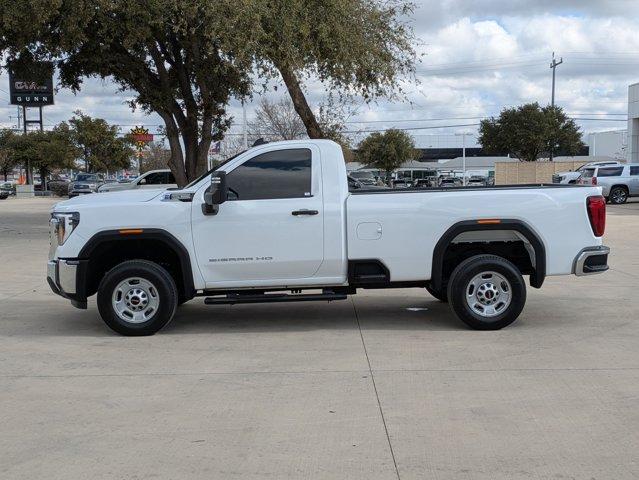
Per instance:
x=58, y=188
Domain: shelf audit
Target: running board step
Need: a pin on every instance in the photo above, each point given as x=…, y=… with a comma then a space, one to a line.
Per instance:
x=272, y=298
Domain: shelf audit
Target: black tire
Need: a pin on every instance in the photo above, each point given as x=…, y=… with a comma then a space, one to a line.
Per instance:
x=459, y=285
x=441, y=296
x=163, y=291
x=618, y=195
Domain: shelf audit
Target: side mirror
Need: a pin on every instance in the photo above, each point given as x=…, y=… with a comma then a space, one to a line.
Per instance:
x=216, y=194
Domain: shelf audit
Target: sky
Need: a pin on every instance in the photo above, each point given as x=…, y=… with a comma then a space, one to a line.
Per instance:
x=476, y=57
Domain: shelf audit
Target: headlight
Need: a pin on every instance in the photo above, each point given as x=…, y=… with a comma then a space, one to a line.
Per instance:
x=64, y=224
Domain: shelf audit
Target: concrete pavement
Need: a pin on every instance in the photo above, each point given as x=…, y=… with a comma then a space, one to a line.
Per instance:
x=385, y=385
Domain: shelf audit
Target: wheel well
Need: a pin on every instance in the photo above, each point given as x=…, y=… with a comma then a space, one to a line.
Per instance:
x=109, y=252
x=621, y=185
x=514, y=251
x=510, y=239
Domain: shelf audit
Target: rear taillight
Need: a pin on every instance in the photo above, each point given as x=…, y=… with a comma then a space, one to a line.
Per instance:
x=593, y=181
x=597, y=214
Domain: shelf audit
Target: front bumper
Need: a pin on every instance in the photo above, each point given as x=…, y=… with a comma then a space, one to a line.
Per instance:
x=591, y=260
x=63, y=276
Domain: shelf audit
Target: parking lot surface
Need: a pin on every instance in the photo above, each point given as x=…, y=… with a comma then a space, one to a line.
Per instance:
x=385, y=385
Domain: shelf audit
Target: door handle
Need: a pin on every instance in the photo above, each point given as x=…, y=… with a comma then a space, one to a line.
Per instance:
x=304, y=212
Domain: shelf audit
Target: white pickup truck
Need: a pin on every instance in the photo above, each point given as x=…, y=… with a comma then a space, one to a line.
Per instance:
x=277, y=223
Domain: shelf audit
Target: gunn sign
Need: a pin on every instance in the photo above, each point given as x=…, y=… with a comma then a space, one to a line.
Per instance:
x=30, y=93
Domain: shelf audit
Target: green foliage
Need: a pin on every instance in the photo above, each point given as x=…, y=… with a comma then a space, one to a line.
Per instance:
x=355, y=47
x=167, y=51
x=7, y=161
x=98, y=143
x=45, y=151
x=387, y=151
x=530, y=131
x=186, y=60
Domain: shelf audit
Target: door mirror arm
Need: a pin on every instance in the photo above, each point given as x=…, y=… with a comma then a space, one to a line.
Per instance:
x=216, y=194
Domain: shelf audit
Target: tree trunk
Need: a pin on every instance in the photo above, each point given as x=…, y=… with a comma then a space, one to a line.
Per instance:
x=176, y=160
x=43, y=179
x=302, y=108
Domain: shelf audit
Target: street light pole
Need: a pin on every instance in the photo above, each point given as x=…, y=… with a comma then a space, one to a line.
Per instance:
x=464, y=159
x=463, y=135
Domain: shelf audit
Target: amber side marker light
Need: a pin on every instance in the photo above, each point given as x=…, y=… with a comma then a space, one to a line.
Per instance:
x=489, y=221
x=131, y=231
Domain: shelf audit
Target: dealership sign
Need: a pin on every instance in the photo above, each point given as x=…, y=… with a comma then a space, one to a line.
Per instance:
x=29, y=92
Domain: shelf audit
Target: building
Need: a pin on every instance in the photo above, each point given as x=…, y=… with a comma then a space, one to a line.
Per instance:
x=633, y=123
x=613, y=144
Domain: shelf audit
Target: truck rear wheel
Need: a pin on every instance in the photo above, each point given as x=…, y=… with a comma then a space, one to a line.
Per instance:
x=137, y=297
x=486, y=292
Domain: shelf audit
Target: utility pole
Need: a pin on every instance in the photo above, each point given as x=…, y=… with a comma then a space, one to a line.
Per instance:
x=553, y=65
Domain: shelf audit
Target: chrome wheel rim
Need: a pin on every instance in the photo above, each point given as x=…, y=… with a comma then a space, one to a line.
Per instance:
x=135, y=300
x=488, y=294
x=618, y=195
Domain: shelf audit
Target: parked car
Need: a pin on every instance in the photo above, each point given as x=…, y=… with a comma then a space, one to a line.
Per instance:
x=573, y=177
x=278, y=219
x=151, y=179
x=447, y=182
x=424, y=182
x=618, y=183
x=7, y=189
x=364, y=177
x=84, y=183
x=476, y=181
x=401, y=183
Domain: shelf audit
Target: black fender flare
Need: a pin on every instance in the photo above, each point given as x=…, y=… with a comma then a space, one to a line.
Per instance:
x=536, y=278
x=123, y=235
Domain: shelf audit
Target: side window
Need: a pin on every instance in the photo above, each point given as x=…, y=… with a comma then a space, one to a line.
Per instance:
x=157, y=178
x=610, y=172
x=634, y=170
x=277, y=174
x=171, y=178
x=588, y=172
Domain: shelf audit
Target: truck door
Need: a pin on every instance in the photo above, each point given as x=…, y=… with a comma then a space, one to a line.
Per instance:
x=271, y=226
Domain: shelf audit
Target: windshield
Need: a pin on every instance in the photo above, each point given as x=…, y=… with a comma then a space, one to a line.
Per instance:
x=85, y=177
x=216, y=167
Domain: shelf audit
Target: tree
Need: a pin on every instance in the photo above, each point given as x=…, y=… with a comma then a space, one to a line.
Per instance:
x=530, y=131
x=100, y=146
x=166, y=51
x=7, y=160
x=155, y=158
x=355, y=47
x=277, y=120
x=387, y=151
x=45, y=150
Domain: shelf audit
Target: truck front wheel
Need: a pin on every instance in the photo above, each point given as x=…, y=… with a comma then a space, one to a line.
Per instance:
x=486, y=292
x=137, y=297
